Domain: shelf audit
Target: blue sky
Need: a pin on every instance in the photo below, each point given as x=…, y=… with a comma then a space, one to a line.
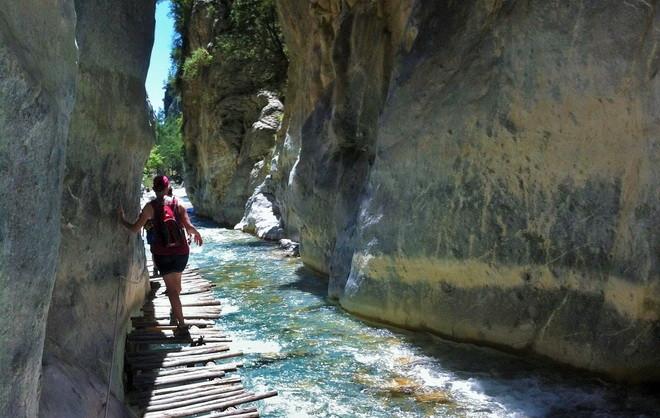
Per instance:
x=160, y=55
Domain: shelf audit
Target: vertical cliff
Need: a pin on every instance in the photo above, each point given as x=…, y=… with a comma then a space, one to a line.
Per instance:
x=37, y=87
x=74, y=135
x=231, y=110
x=109, y=139
x=484, y=170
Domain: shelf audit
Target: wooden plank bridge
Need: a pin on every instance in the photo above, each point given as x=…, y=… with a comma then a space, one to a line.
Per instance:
x=175, y=376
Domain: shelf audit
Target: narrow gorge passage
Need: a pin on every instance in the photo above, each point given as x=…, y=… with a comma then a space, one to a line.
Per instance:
x=484, y=171
x=325, y=362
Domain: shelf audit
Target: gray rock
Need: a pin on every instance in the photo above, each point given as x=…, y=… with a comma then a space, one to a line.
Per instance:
x=99, y=261
x=229, y=124
x=291, y=248
x=483, y=170
x=37, y=88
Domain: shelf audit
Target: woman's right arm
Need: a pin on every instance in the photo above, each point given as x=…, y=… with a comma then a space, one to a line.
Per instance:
x=145, y=215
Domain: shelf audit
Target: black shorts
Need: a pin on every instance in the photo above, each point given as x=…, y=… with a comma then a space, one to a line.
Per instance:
x=170, y=263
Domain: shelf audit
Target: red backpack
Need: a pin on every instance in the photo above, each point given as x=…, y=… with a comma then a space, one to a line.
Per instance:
x=169, y=232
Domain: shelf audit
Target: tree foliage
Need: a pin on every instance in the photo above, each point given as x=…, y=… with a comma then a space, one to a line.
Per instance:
x=253, y=43
x=166, y=156
x=248, y=39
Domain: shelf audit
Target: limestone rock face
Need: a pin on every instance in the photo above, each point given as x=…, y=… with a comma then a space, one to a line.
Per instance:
x=229, y=124
x=37, y=88
x=484, y=170
x=100, y=264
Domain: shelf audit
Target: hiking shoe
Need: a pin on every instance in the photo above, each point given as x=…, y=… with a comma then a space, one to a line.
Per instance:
x=182, y=332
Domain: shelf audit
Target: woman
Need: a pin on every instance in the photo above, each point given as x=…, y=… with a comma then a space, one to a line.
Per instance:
x=170, y=254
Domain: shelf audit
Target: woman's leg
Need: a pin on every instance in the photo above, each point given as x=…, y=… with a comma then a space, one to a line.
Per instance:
x=173, y=285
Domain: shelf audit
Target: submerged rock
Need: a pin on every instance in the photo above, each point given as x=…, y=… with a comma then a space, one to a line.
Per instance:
x=291, y=248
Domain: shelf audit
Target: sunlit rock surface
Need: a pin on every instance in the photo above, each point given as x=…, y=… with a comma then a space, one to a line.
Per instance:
x=484, y=170
x=37, y=87
x=99, y=261
x=229, y=124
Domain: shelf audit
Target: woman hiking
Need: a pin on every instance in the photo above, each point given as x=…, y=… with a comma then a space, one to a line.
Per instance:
x=170, y=247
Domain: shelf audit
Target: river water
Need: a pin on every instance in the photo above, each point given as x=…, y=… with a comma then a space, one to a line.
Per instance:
x=327, y=363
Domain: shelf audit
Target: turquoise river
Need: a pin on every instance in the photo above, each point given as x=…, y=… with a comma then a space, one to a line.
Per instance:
x=327, y=363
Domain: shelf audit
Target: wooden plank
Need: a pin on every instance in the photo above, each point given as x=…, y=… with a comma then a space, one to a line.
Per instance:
x=191, y=315
x=170, y=333
x=195, y=302
x=169, y=411
x=142, y=336
x=162, y=310
x=157, y=373
x=157, y=392
x=169, y=404
x=208, y=406
x=178, y=378
x=143, y=322
x=182, y=361
x=180, y=340
x=235, y=413
x=191, y=394
x=177, y=352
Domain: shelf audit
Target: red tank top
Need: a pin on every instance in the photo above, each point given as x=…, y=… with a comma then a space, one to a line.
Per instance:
x=158, y=247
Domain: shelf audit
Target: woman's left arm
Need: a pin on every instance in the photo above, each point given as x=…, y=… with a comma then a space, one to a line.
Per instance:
x=189, y=226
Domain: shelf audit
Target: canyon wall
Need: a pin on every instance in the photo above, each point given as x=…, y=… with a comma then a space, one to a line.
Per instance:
x=485, y=170
x=37, y=87
x=230, y=120
x=74, y=135
x=100, y=277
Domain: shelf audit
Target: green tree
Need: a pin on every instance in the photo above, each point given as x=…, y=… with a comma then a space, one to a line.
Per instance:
x=254, y=42
x=249, y=40
x=166, y=156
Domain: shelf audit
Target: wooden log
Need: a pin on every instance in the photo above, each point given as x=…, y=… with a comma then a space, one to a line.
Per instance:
x=177, y=349
x=203, y=404
x=182, y=361
x=175, y=353
x=193, y=392
x=143, y=322
x=188, y=290
x=195, y=302
x=184, y=279
x=195, y=291
x=146, y=336
x=191, y=315
x=208, y=406
x=164, y=374
x=233, y=414
x=180, y=340
x=180, y=378
x=166, y=309
x=190, y=387
x=176, y=397
x=187, y=314
x=191, y=401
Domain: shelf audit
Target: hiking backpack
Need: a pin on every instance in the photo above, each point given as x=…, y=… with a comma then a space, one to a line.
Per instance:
x=167, y=226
